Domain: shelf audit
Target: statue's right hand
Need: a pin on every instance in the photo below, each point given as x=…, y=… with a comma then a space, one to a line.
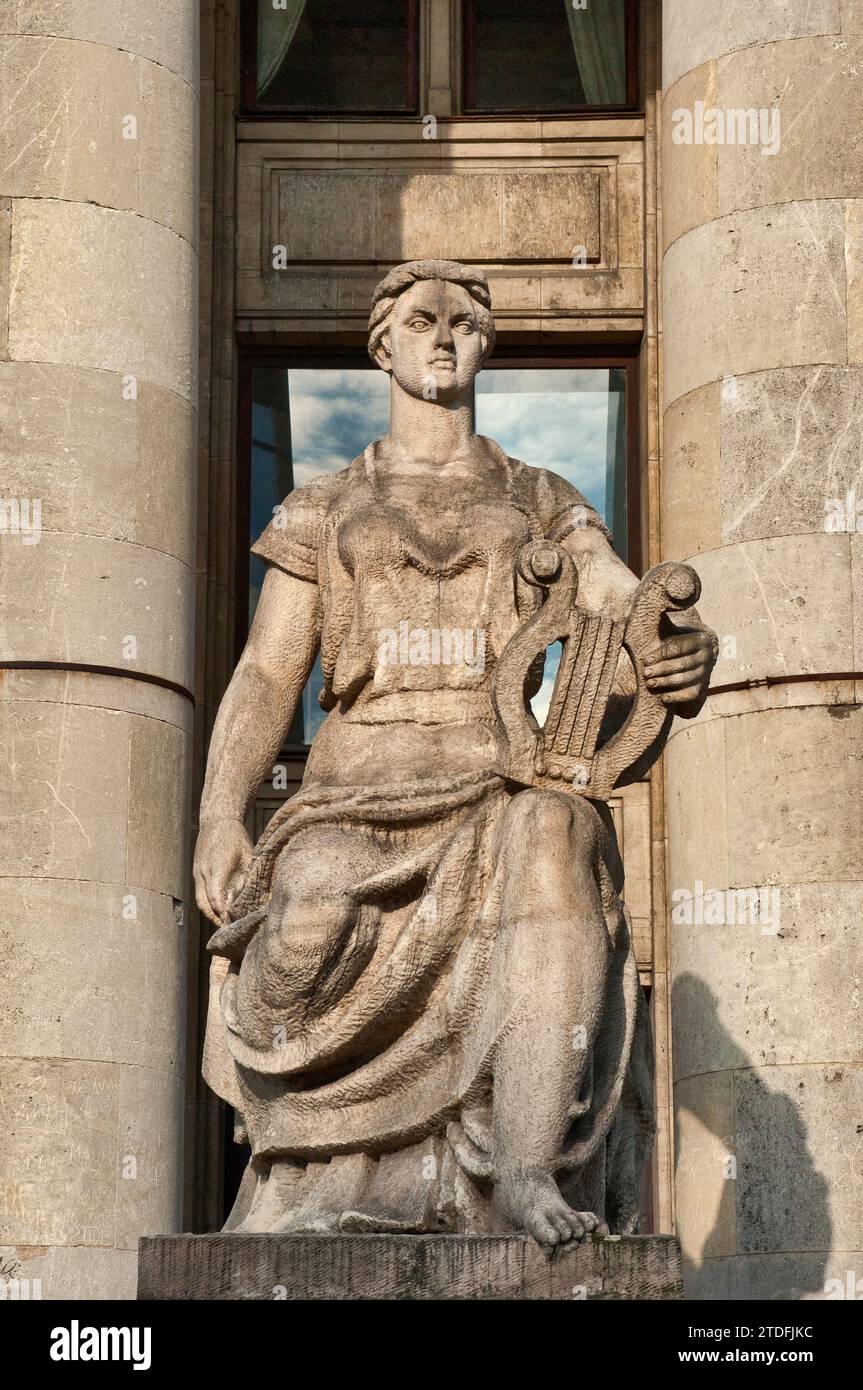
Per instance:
x=222, y=856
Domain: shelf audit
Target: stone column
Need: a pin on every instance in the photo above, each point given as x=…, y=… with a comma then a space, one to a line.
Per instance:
x=98, y=271
x=763, y=442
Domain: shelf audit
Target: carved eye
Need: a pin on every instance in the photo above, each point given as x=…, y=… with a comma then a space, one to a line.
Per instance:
x=418, y=322
x=463, y=326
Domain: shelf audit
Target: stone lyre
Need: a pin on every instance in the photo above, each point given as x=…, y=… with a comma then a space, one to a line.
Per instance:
x=566, y=752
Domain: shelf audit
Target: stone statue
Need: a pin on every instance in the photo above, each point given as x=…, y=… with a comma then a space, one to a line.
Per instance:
x=425, y=1007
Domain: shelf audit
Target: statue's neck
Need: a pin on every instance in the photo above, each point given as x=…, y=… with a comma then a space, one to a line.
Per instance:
x=432, y=432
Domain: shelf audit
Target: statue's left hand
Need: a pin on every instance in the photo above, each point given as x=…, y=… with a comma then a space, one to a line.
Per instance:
x=678, y=670
x=222, y=856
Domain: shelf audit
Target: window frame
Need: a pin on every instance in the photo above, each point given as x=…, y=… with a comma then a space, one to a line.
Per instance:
x=505, y=356
x=250, y=109
x=632, y=104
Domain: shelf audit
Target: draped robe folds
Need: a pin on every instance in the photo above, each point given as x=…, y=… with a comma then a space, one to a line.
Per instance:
x=378, y=1091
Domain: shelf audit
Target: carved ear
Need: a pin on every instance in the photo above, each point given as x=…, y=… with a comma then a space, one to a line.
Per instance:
x=382, y=354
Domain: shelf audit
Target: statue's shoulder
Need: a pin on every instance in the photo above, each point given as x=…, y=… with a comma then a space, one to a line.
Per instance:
x=550, y=497
x=291, y=539
x=319, y=491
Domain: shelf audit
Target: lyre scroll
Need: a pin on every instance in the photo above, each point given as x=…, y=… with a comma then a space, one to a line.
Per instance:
x=566, y=753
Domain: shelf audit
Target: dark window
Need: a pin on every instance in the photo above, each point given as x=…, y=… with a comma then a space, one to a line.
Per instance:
x=322, y=56
x=549, y=55
x=308, y=416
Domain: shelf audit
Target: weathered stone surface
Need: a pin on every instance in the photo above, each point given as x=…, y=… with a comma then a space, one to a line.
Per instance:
x=777, y=1277
x=803, y=164
x=82, y=293
x=404, y=1267
x=690, y=171
x=62, y=809
x=767, y=600
x=58, y=1161
x=116, y=1011
x=158, y=846
x=791, y=450
x=799, y=1150
x=691, y=496
x=139, y=154
x=854, y=277
x=705, y=1191
x=800, y=818
x=761, y=319
x=149, y=1192
x=78, y=86
x=765, y=288
x=101, y=464
x=162, y=30
x=73, y=1272
x=697, y=807
x=117, y=694
x=168, y=176
x=133, y=611
x=692, y=33
x=788, y=999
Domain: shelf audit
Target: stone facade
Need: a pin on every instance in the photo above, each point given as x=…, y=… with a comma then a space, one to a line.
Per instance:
x=737, y=276
x=98, y=380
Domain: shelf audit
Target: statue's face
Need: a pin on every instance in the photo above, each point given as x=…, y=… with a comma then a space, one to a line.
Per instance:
x=434, y=340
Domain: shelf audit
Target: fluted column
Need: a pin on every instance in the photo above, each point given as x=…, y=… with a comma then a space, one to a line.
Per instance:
x=98, y=270
x=763, y=434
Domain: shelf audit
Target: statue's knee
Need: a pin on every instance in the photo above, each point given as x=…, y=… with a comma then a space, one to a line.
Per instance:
x=550, y=817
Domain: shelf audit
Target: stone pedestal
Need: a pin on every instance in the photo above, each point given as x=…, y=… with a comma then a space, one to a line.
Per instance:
x=342, y=1267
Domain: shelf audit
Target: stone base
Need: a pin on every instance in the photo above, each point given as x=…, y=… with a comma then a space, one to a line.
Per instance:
x=343, y=1267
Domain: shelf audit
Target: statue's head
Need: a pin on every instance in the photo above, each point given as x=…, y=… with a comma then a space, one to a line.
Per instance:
x=431, y=323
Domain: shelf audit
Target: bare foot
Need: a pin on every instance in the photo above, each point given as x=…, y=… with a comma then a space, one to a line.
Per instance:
x=530, y=1199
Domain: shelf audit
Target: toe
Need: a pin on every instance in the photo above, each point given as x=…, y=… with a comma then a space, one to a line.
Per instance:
x=546, y=1234
x=564, y=1227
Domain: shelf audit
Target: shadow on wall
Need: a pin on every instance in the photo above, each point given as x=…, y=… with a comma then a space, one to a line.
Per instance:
x=748, y=1189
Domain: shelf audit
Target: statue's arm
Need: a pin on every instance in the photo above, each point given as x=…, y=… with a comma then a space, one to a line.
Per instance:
x=254, y=716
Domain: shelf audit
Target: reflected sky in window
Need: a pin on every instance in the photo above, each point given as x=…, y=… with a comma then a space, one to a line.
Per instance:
x=565, y=419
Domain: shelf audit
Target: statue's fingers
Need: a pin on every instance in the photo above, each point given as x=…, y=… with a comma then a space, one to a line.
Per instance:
x=204, y=900
x=683, y=696
x=234, y=885
x=688, y=662
x=677, y=680
x=675, y=646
